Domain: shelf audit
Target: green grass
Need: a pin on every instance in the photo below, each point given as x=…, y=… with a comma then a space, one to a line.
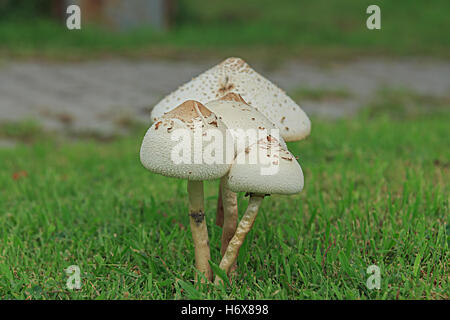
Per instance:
x=316, y=94
x=266, y=28
x=25, y=131
x=376, y=192
x=402, y=103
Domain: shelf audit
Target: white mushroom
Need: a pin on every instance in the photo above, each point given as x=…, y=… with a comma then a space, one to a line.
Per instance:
x=161, y=152
x=235, y=75
x=238, y=117
x=276, y=172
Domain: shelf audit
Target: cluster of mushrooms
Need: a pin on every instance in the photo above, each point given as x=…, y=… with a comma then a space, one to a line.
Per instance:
x=228, y=97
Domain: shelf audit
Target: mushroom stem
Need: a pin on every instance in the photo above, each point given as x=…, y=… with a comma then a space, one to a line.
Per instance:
x=230, y=216
x=219, y=212
x=198, y=228
x=243, y=229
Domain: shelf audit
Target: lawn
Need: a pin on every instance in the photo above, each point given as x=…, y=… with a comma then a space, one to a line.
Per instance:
x=252, y=28
x=376, y=192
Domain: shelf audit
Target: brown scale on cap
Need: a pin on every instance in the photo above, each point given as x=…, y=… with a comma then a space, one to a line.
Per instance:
x=231, y=96
x=214, y=123
x=225, y=87
x=188, y=111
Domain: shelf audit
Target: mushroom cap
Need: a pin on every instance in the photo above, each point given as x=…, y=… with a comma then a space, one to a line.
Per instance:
x=234, y=74
x=162, y=151
x=238, y=116
x=276, y=171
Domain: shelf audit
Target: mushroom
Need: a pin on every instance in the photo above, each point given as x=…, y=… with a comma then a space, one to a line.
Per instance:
x=160, y=153
x=276, y=172
x=235, y=75
x=238, y=117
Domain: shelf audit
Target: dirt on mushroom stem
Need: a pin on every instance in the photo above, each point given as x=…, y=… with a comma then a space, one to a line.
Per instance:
x=198, y=228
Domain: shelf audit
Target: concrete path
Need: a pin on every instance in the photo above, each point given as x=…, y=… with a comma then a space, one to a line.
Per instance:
x=101, y=96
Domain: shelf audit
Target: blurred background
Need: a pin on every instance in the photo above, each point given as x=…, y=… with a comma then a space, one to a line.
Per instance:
x=75, y=105
x=129, y=54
